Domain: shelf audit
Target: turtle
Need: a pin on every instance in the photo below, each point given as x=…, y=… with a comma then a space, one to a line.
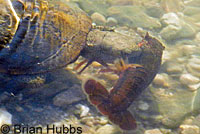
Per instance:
x=45, y=35
x=51, y=35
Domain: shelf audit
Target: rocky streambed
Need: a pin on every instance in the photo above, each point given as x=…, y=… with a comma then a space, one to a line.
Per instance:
x=170, y=105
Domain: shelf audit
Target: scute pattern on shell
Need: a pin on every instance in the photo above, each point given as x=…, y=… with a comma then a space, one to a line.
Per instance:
x=50, y=35
x=8, y=22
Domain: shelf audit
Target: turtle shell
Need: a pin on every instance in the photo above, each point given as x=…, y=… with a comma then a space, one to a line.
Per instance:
x=50, y=35
x=8, y=22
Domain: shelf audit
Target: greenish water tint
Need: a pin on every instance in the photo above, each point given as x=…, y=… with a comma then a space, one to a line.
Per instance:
x=176, y=92
x=170, y=105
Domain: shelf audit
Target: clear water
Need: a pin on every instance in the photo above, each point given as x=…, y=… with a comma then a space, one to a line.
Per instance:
x=169, y=105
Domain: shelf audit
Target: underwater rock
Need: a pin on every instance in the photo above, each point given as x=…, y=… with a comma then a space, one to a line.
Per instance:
x=161, y=80
x=166, y=131
x=190, y=11
x=175, y=28
x=103, y=120
x=166, y=56
x=98, y=18
x=108, y=129
x=174, y=68
x=196, y=119
x=120, y=2
x=195, y=103
x=187, y=31
x=111, y=21
x=153, y=131
x=194, y=87
x=84, y=110
x=197, y=36
x=193, y=66
x=133, y=16
x=189, y=129
x=192, y=82
x=170, y=32
x=171, y=19
x=188, y=79
x=193, y=3
x=143, y=106
x=88, y=120
x=5, y=117
x=72, y=95
x=154, y=11
x=56, y=82
x=91, y=6
x=172, y=122
x=174, y=108
x=172, y=5
x=188, y=49
x=173, y=105
x=93, y=121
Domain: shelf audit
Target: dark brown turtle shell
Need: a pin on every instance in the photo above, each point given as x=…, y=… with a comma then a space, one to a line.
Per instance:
x=50, y=35
x=8, y=22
